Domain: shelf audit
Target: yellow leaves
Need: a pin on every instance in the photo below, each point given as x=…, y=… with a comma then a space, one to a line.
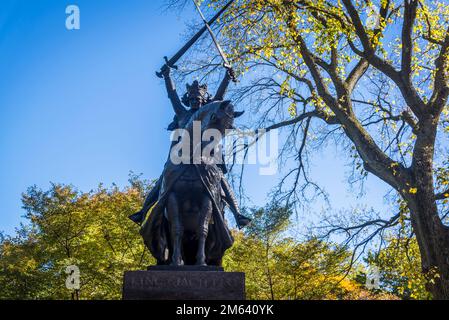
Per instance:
x=349, y=285
x=393, y=166
x=296, y=270
x=285, y=87
x=413, y=190
x=400, y=264
x=318, y=102
x=375, y=41
x=268, y=52
x=292, y=109
x=286, y=90
x=88, y=227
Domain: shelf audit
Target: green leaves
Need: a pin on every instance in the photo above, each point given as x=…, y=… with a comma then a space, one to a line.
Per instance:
x=68, y=227
x=92, y=231
x=400, y=265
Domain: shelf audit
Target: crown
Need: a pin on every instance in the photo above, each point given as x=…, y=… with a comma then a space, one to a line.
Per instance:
x=195, y=89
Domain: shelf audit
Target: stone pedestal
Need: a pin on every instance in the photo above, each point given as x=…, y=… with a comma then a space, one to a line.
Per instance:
x=183, y=283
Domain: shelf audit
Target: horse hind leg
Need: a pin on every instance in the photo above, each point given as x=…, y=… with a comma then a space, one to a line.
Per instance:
x=176, y=229
x=203, y=228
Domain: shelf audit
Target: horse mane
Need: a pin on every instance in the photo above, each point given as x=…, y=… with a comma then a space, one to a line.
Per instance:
x=201, y=112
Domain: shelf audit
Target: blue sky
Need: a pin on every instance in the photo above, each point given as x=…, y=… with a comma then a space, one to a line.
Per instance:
x=84, y=106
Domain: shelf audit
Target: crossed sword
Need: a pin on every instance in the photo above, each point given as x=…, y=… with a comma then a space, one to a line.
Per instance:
x=170, y=63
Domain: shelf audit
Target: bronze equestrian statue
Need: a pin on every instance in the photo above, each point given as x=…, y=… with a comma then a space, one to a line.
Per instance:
x=182, y=219
x=189, y=199
x=195, y=97
x=186, y=225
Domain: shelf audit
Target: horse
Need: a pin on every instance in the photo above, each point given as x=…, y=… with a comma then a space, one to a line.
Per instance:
x=187, y=224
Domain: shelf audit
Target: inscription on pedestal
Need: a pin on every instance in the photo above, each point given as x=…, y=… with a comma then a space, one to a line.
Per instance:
x=183, y=285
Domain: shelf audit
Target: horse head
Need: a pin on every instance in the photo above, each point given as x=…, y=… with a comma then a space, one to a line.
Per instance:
x=210, y=123
x=218, y=115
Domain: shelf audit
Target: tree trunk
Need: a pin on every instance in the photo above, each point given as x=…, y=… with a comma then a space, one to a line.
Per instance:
x=270, y=280
x=431, y=234
x=433, y=242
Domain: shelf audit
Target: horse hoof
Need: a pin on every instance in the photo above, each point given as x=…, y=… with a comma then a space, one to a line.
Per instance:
x=201, y=264
x=177, y=264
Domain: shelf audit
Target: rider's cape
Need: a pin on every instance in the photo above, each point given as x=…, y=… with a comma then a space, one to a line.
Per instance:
x=155, y=231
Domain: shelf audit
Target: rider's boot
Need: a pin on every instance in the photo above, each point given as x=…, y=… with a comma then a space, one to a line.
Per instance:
x=240, y=219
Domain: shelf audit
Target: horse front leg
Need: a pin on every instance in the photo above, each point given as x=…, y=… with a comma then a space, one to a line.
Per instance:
x=176, y=229
x=203, y=228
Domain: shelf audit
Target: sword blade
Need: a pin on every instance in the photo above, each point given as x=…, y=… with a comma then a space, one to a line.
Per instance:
x=214, y=39
x=171, y=62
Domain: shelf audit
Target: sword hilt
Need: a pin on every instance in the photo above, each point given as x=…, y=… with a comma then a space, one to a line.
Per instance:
x=231, y=72
x=165, y=68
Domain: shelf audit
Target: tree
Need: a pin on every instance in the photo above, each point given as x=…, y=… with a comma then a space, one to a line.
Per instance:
x=92, y=231
x=373, y=75
x=67, y=227
x=278, y=266
x=400, y=267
